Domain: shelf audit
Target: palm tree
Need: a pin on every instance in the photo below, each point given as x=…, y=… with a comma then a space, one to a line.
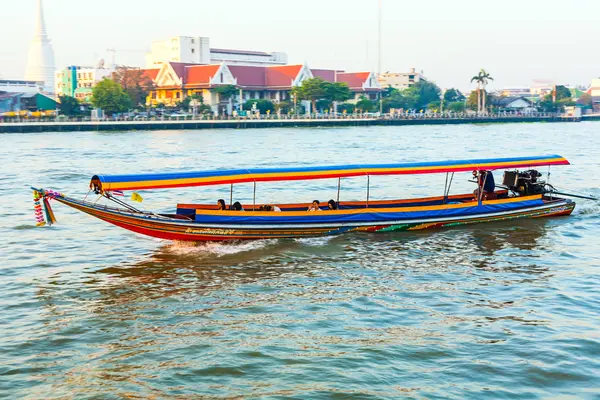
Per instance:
x=482, y=79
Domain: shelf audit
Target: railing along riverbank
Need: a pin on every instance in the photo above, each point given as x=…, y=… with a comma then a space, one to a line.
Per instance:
x=266, y=121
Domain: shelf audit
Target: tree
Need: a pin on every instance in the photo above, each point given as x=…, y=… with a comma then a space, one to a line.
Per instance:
x=453, y=95
x=110, y=96
x=585, y=100
x=284, y=107
x=338, y=91
x=364, y=104
x=457, y=106
x=69, y=106
x=324, y=104
x=400, y=100
x=562, y=93
x=312, y=89
x=389, y=92
x=349, y=108
x=225, y=91
x=423, y=93
x=474, y=100
x=482, y=79
x=262, y=105
x=135, y=83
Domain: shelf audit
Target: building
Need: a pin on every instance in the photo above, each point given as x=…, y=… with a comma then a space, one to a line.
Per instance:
x=19, y=86
x=515, y=103
x=522, y=91
x=40, y=63
x=175, y=81
x=400, y=80
x=196, y=50
x=17, y=102
x=78, y=81
x=360, y=83
x=541, y=87
x=594, y=92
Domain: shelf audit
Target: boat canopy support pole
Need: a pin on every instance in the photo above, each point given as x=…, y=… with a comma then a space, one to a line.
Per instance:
x=254, y=198
x=481, y=188
x=338, y=193
x=122, y=203
x=230, y=195
x=448, y=186
x=368, y=188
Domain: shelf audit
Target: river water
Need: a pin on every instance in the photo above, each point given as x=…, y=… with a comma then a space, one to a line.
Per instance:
x=506, y=310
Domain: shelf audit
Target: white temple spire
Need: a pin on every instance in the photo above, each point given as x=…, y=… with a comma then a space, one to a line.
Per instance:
x=40, y=64
x=40, y=27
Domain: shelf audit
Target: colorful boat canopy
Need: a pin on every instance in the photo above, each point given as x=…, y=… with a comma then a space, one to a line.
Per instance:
x=219, y=177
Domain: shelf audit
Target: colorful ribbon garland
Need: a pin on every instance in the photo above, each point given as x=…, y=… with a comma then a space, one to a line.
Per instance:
x=46, y=210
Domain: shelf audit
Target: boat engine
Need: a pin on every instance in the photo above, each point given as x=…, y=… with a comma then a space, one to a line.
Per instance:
x=524, y=183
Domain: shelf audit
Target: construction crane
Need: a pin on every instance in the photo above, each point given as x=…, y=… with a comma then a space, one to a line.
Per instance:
x=114, y=53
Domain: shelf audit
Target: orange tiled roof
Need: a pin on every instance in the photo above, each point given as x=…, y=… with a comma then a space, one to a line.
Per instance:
x=282, y=76
x=151, y=73
x=200, y=74
x=355, y=80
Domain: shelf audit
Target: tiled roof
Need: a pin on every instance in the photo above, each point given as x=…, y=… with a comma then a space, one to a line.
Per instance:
x=355, y=80
x=271, y=76
x=179, y=69
x=200, y=74
x=282, y=76
x=151, y=73
x=249, y=76
x=327, y=74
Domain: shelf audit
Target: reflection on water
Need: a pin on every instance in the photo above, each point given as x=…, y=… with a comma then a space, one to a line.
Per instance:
x=502, y=310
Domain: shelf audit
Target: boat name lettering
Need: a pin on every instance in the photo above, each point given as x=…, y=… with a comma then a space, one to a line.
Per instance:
x=211, y=231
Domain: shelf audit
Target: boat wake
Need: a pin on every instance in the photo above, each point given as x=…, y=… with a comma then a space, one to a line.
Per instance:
x=588, y=208
x=216, y=248
x=314, y=241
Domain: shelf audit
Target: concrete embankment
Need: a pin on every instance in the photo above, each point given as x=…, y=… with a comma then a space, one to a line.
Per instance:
x=25, y=127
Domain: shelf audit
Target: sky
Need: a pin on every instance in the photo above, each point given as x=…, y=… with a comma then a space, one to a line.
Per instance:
x=516, y=41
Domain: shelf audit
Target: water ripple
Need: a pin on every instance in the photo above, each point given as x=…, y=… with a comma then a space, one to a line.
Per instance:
x=507, y=310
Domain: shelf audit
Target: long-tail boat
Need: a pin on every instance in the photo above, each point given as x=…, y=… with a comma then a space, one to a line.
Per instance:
x=521, y=195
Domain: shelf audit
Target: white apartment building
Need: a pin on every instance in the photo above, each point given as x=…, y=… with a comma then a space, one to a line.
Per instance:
x=400, y=80
x=196, y=50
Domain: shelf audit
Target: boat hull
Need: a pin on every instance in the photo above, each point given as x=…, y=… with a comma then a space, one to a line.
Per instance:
x=251, y=226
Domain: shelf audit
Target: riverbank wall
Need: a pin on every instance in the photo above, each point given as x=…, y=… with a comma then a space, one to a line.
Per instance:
x=103, y=126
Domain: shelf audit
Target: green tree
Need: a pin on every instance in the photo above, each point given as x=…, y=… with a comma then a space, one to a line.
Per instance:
x=348, y=107
x=262, y=105
x=562, y=93
x=69, y=106
x=312, y=89
x=400, y=100
x=434, y=106
x=422, y=93
x=324, y=104
x=474, y=100
x=226, y=91
x=366, y=105
x=110, y=96
x=135, y=83
x=389, y=91
x=284, y=107
x=453, y=95
x=338, y=91
x=482, y=79
x=457, y=106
